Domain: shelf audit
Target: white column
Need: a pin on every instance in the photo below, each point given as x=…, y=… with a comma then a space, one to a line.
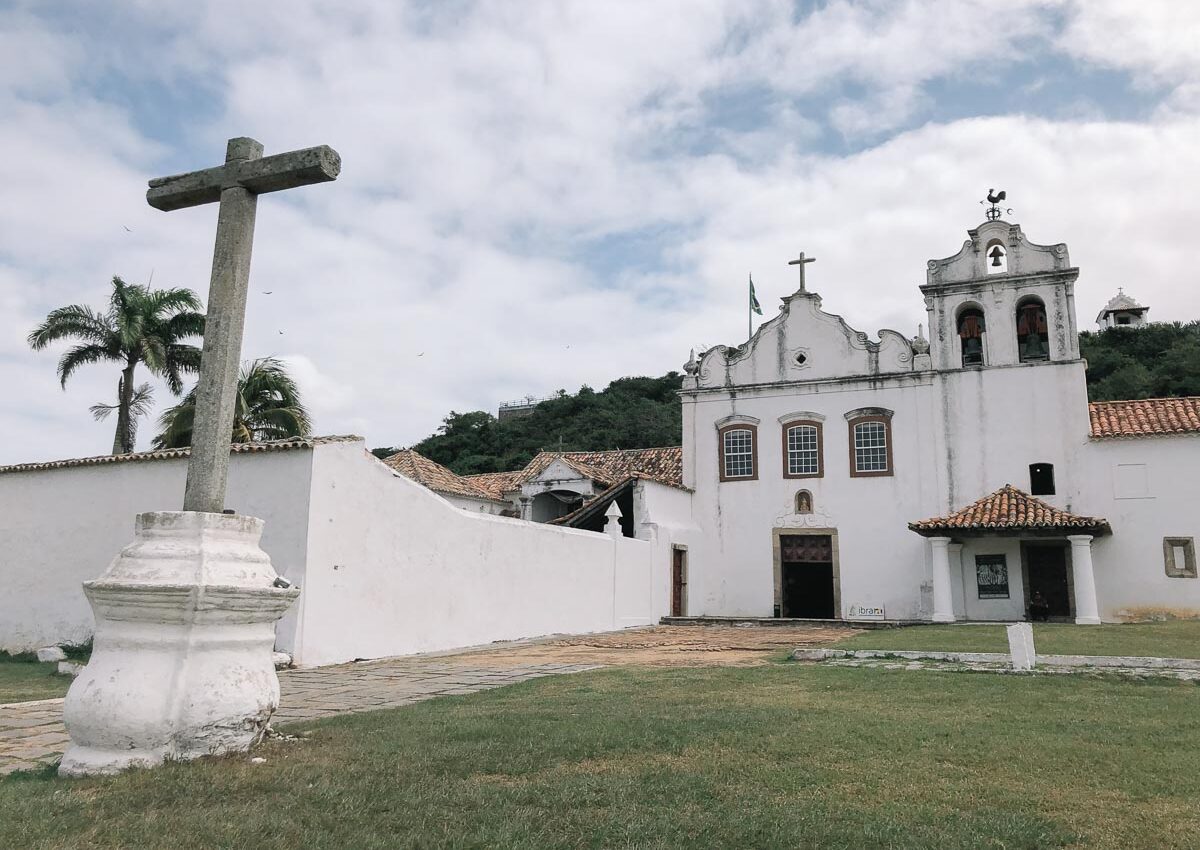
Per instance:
x=958, y=593
x=1087, y=609
x=943, y=597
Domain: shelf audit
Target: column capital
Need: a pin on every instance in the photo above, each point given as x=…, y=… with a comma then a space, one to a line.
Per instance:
x=940, y=542
x=1080, y=539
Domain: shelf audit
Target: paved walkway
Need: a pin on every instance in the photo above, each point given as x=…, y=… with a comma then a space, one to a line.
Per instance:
x=32, y=734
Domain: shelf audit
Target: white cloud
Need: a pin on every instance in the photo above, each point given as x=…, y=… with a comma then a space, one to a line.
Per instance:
x=486, y=144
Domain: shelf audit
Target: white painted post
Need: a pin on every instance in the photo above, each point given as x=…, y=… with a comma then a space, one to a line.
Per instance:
x=1020, y=646
x=612, y=521
x=943, y=598
x=957, y=579
x=1087, y=608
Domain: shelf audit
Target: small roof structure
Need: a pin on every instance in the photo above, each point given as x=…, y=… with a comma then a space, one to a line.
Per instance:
x=664, y=465
x=439, y=479
x=1147, y=417
x=1010, y=511
x=1120, y=303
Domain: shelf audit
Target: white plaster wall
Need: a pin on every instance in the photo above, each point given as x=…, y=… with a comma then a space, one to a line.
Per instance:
x=663, y=517
x=394, y=569
x=967, y=601
x=1130, y=573
x=62, y=527
x=483, y=506
x=881, y=562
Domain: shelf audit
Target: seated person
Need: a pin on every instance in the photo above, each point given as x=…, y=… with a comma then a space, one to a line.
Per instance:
x=1039, y=608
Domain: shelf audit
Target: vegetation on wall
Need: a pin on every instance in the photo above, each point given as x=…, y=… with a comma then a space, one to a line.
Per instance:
x=1157, y=360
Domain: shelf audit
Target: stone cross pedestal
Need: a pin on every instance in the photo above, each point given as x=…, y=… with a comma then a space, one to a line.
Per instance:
x=185, y=616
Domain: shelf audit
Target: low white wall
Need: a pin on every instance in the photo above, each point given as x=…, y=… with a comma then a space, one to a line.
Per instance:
x=61, y=527
x=394, y=569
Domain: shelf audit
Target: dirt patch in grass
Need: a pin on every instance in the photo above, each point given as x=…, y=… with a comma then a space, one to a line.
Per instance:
x=665, y=646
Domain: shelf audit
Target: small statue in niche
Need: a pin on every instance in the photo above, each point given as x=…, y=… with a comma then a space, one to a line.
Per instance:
x=804, y=502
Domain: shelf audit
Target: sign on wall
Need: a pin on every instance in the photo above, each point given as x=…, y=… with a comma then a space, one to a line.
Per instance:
x=991, y=575
x=867, y=612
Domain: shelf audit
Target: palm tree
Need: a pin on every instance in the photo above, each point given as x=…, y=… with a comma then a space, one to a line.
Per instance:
x=141, y=325
x=267, y=407
x=139, y=406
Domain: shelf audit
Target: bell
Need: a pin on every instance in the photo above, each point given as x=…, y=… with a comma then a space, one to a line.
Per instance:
x=972, y=350
x=996, y=255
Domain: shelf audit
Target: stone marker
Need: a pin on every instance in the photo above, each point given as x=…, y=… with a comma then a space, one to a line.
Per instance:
x=51, y=654
x=1020, y=646
x=185, y=616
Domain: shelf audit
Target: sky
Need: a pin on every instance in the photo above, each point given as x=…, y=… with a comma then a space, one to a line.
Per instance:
x=539, y=195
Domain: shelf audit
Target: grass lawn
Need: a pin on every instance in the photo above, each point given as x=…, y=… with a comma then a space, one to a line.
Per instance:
x=784, y=755
x=1171, y=639
x=22, y=680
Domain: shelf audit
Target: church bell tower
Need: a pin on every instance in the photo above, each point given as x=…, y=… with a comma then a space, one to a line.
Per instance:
x=1001, y=301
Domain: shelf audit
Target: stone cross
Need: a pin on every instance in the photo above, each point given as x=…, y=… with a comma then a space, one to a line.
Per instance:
x=237, y=184
x=801, y=261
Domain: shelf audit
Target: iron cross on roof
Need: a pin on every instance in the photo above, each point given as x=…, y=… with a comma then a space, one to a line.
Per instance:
x=801, y=261
x=237, y=184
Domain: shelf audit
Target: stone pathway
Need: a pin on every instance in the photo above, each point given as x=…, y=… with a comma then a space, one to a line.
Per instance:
x=32, y=733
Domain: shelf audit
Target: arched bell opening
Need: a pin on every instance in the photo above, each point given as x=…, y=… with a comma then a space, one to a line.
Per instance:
x=996, y=255
x=1033, y=334
x=971, y=329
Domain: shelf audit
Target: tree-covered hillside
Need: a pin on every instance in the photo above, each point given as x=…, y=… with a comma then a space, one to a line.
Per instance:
x=630, y=413
x=1154, y=361
x=1157, y=360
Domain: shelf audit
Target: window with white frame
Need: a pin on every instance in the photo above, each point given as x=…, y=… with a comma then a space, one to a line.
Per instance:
x=870, y=447
x=737, y=453
x=803, y=450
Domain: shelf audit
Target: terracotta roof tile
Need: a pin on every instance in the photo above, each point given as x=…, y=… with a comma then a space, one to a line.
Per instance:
x=1145, y=417
x=172, y=454
x=664, y=465
x=433, y=475
x=494, y=484
x=1009, y=509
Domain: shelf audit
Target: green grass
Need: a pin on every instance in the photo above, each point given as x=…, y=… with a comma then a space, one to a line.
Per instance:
x=775, y=756
x=23, y=679
x=1171, y=639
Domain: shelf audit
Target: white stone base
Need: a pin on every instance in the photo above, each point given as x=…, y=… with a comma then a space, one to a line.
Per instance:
x=944, y=618
x=1087, y=621
x=181, y=666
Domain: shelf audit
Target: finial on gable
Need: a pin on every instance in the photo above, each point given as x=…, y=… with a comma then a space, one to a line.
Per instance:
x=994, y=198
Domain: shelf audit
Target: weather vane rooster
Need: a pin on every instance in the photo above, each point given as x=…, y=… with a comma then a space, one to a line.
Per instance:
x=994, y=198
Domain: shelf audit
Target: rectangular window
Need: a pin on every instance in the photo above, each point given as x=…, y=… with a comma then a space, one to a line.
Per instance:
x=738, y=453
x=1179, y=556
x=803, y=451
x=870, y=447
x=991, y=576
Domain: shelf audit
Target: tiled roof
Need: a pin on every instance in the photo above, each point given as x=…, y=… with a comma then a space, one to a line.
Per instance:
x=494, y=484
x=664, y=465
x=1120, y=301
x=433, y=475
x=172, y=454
x=1145, y=417
x=1009, y=509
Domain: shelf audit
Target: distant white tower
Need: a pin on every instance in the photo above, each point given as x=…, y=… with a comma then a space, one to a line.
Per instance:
x=1122, y=311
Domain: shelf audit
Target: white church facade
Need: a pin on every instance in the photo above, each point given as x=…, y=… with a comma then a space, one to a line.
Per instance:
x=963, y=476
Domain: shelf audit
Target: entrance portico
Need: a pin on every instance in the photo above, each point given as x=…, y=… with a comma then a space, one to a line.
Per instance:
x=980, y=542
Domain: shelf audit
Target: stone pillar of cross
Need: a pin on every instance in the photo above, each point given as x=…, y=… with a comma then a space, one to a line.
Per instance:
x=236, y=185
x=801, y=261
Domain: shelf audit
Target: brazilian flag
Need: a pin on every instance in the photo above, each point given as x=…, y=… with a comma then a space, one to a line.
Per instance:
x=754, y=305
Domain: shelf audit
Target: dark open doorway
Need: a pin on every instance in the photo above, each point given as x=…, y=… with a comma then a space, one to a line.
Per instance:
x=1046, y=575
x=806, y=576
x=678, y=582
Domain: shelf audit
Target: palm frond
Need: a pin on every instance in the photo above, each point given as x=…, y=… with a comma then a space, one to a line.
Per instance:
x=143, y=399
x=74, y=320
x=81, y=355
